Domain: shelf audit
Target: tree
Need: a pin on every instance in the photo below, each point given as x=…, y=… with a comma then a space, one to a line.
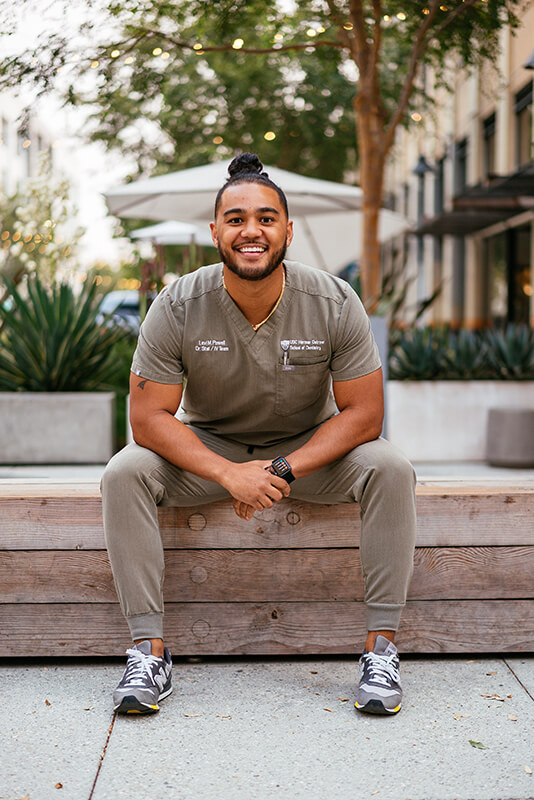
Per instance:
x=381, y=47
x=37, y=232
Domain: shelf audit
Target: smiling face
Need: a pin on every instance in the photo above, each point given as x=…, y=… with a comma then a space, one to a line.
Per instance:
x=251, y=230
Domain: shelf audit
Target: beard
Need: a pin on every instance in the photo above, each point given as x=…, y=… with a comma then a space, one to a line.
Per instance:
x=251, y=273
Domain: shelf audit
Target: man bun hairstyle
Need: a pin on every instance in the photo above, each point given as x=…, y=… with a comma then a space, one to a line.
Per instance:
x=247, y=168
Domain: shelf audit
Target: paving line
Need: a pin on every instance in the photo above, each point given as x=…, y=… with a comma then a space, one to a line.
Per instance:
x=520, y=682
x=102, y=756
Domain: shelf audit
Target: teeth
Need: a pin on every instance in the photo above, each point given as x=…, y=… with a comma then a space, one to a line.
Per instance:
x=251, y=249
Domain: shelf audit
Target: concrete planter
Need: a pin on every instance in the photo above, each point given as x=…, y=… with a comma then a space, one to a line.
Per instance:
x=447, y=420
x=56, y=427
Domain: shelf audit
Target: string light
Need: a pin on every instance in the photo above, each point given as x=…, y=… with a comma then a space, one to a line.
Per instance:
x=26, y=143
x=416, y=116
x=197, y=46
x=5, y=235
x=238, y=44
x=115, y=53
x=157, y=51
x=165, y=55
x=387, y=18
x=401, y=15
x=426, y=11
x=311, y=32
x=95, y=64
x=278, y=37
x=16, y=236
x=320, y=29
x=348, y=26
x=218, y=140
x=269, y=136
x=129, y=60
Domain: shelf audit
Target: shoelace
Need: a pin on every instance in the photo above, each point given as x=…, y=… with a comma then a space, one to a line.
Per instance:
x=139, y=667
x=382, y=668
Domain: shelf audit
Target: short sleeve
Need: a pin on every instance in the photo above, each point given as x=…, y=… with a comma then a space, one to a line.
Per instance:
x=158, y=355
x=355, y=352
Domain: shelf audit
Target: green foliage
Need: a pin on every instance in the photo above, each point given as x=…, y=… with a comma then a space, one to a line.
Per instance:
x=511, y=352
x=52, y=341
x=418, y=355
x=168, y=104
x=441, y=354
x=121, y=358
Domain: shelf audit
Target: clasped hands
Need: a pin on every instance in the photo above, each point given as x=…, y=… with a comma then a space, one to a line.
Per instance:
x=253, y=488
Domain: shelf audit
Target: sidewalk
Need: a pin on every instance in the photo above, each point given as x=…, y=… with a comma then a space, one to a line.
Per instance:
x=252, y=728
x=248, y=729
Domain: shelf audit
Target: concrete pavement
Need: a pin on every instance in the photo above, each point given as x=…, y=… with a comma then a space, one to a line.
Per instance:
x=284, y=728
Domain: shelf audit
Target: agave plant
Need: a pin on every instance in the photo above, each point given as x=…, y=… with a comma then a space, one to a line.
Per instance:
x=52, y=341
x=467, y=357
x=511, y=352
x=418, y=355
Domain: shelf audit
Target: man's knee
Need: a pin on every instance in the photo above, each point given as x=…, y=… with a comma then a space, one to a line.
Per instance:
x=129, y=465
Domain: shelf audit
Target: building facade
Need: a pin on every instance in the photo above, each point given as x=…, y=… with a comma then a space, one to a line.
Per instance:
x=464, y=173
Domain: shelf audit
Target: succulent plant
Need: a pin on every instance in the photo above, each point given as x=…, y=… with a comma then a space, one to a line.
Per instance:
x=52, y=341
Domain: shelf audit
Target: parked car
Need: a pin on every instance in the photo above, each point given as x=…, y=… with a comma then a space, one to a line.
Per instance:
x=121, y=307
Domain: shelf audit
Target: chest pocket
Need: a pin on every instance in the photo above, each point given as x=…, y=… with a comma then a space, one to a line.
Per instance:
x=300, y=386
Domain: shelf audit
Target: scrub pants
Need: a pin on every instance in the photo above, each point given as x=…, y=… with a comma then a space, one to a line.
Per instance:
x=376, y=475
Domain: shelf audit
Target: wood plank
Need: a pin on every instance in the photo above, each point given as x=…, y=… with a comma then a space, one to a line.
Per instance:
x=190, y=575
x=468, y=626
x=268, y=575
x=485, y=517
x=445, y=518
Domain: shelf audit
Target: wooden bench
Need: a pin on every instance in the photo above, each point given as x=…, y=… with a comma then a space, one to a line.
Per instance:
x=289, y=582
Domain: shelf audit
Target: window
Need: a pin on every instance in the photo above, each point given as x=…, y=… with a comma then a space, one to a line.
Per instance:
x=460, y=166
x=439, y=186
x=488, y=146
x=523, y=125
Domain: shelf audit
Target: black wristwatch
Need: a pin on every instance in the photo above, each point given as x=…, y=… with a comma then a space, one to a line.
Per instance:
x=281, y=468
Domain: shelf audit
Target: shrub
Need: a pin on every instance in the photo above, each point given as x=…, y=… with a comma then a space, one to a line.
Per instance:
x=442, y=354
x=52, y=342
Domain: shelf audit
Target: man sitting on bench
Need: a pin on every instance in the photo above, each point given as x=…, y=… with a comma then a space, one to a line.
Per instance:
x=283, y=395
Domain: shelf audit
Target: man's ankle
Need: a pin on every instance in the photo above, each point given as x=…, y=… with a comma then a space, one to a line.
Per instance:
x=371, y=638
x=157, y=646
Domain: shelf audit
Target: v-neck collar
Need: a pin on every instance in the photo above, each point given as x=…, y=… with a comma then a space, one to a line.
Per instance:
x=244, y=327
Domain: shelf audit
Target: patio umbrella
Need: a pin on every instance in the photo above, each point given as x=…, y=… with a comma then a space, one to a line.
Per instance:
x=172, y=232
x=326, y=214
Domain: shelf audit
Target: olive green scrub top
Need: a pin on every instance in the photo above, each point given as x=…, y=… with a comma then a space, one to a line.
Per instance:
x=256, y=387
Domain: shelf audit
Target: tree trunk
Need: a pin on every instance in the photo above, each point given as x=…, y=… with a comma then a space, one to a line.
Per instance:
x=370, y=128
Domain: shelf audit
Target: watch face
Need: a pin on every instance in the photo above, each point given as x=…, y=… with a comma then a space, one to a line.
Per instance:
x=281, y=466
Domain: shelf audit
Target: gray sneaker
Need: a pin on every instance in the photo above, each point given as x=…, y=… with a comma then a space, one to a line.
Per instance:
x=379, y=688
x=146, y=680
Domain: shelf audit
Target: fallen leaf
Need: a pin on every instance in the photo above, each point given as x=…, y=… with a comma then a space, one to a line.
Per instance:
x=459, y=716
x=478, y=745
x=343, y=699
x=509, y=695
x=527, y=770
x=59, y=786
x=512, y=717
x=491, y=673
x=26, y=797
x=473, y=661
x=375, y=792
x=494, y=697
x=223, y=716
x=192, y=715
x=48, y=703
x=313, y=672
x=329, y=709
x=88, y=708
